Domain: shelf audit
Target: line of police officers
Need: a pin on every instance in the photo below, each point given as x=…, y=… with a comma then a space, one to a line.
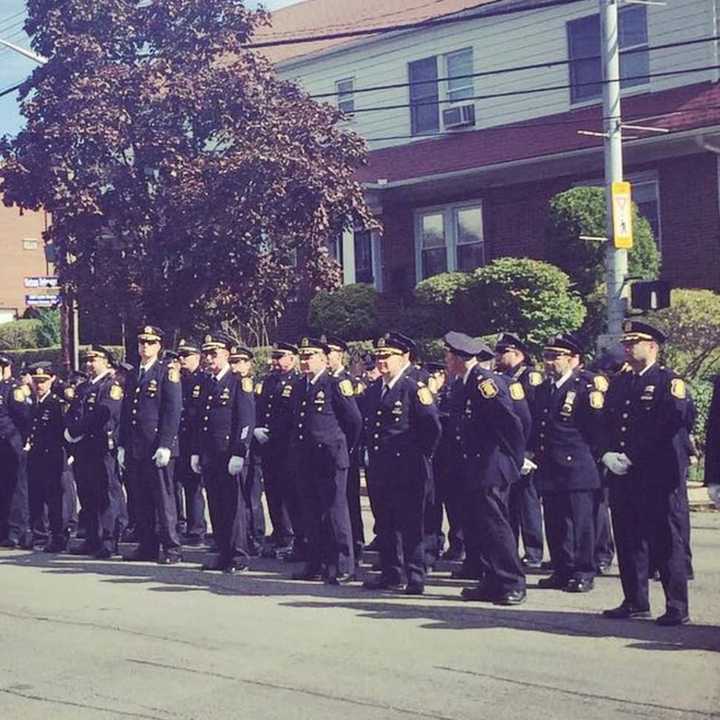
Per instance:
x=487, y=440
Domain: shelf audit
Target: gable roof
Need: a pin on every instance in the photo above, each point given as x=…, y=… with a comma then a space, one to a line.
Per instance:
x=317, y=17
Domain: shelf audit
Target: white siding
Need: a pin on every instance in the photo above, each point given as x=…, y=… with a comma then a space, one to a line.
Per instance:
x=501, y=42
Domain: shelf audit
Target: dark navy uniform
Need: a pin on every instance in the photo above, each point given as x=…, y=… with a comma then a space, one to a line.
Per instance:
x=402, y=430
x=645, y=418
x=151, y=421
x=524, y=503
x=191, y=482
x=565, y=444
x=712, y=438
x=275, y=414
x=93, y=421
x=14, y=416
x=492, y=445
x=327, y=426
x=224, y=430
x=46, y=464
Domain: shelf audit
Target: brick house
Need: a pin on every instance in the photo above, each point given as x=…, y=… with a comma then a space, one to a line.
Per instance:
x=472, y=125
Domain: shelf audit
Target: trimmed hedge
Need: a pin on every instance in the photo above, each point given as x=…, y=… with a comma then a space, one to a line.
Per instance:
x=19, y=334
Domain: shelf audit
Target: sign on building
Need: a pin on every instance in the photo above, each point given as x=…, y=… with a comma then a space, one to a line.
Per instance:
x=41, y=281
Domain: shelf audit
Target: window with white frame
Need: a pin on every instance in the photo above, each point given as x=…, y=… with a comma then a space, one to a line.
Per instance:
x=345, y=90
x=363, y=249
x=585, y=65
x=449, y=238
x=458, y=69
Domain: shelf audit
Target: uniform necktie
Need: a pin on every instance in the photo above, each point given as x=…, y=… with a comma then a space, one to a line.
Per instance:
x=384, y=391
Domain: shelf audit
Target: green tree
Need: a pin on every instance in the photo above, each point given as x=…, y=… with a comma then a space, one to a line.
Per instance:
x=351, y=312
x=49, y=328
x=182, y=175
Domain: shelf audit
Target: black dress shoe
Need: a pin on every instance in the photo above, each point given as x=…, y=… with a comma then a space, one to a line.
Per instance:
x=55, y=546
x=415, y=588
x=170, y=558
x=453, y=554
x=482, y=593
x=10, y=543
x=672, y=618
x=141, y=556
x=84, y=549
x=465, y=572
x=603, y=568
x=626, y=611
x=235, y=566
x=579, y=585
x=531, y=564
x=192, y=541
x=308, y=573
x=340, y=579
x=513, y=597
x=383, y=583
x=553, y=582
x=211, y=565
x=103, y=554
x=546, y=565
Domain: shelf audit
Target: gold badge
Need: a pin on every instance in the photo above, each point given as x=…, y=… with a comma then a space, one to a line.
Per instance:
x=287, y=391
x=258, y=388
x=601, y=384
x=346, y=388
x=173, y=375
x=116, y=392
x=247, y=384
x=535, y=378
x=196, y=391
x=597, y=400
x=678, y=389
x=488, y=389
x=69, y=393
x=19, y=395
x=424, y=396
x=516, y=391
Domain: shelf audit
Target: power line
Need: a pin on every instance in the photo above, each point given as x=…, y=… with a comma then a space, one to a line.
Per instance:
x=436, y=22
x=520, y=68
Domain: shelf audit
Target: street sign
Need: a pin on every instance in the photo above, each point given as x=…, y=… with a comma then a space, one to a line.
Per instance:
x=622, y=215
x=42, y=300
x=41, y=281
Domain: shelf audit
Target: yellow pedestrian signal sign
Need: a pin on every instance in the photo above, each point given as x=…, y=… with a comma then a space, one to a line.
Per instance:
x=622, y=215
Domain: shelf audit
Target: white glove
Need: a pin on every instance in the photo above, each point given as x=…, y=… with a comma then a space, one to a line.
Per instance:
x=121, y=457
x=366, y=458
x=616, y=463
x=527, y=467
x=714, y=494
x=161, y=457
x=70, y=438
x=235, y=465
x=261, y=434
x=71, y=460
x=195, y=464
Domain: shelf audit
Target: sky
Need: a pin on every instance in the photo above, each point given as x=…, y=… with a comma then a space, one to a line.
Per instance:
x=14, y=68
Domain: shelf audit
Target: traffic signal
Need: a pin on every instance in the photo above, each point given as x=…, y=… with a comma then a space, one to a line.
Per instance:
x=650, y=295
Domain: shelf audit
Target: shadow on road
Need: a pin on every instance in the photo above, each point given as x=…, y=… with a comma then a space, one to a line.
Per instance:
x=439, y=609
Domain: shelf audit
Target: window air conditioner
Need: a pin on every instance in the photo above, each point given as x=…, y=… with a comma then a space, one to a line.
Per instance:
x=458, y=116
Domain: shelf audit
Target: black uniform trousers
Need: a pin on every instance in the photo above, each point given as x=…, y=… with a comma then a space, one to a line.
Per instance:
x=46, y=490
x=604, y=544
x=156, y=519
x=100, y=496
x=526, y=516
x=228, y=513
x=129, y=481
x=253, y=501
x=323, y=485
x=280, y=494
x=570, y=526
x=14, y=513
x=353, y=501
x=70, y=498
x=490, y=543
x=400, y=496
x=195, y=525
x=648, y=529
x=449, y=495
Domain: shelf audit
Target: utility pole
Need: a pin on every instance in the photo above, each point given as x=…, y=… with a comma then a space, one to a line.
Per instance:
x=616, y=263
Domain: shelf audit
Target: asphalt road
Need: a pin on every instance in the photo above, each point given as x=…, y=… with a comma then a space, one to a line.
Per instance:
x=92, y=640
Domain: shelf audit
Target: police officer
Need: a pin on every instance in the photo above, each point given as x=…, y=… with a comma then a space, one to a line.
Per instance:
x=492, y=444
x=149, y=446
x=402, y=430
x=46, y=460
x=646, y=413
x=512, y=357
x=274, y=414
x=191, y=377
x=241, y=362
x=91, y=427
x=327, y=426
x=712, y=446
x=220, y=446
x=565, y=445
x=14, y=418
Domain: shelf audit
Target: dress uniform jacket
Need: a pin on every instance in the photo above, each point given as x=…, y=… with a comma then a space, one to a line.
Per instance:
x=14, y=417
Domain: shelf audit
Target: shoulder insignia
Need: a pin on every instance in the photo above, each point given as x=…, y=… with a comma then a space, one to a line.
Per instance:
x=424, y=395
x=247, y=384
x=19, y=395
x=360, y=388
x=69, y=393
x=287, y=391
x=26, y=390
x=433, y=385
x=488, y=389
x=173, y=375
x=346, y=388
x=516, y=391
x=678, y=389
x=116, y=392
x=258, y=388
x=535, y=378
x=600, y=383
x=597, y=400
